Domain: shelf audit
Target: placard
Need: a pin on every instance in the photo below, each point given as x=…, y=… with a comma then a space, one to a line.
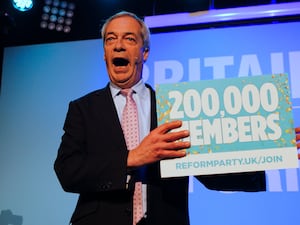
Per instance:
x=236, y=124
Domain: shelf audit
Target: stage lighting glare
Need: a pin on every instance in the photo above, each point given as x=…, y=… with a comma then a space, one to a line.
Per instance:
x=48, y=2
x=45, y=17
x=67, y=29
x=68, y=21
x=70, y=13
x=51, y=26
x=46, y=9
x=54, y=10
x=60, y=20
x=53, y=18
x=22, y=5
x=56, y=3
x=57, y=15
x=63, y=4
x=62, y=12
x=59, y=27
x=44, y=24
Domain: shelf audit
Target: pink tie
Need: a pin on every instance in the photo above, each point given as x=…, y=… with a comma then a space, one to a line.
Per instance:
x=130, y=126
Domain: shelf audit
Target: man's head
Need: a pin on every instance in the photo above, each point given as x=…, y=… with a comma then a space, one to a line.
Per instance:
x=126, y=48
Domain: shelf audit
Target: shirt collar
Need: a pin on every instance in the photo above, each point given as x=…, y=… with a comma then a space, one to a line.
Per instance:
x=138, y=88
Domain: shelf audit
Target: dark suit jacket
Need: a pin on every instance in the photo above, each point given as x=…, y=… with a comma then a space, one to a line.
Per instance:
x=92, y=161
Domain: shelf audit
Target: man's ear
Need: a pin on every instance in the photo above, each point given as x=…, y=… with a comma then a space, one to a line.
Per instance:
x=145, y=54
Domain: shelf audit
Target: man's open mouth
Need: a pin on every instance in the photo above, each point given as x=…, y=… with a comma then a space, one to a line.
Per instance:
x=120, y=62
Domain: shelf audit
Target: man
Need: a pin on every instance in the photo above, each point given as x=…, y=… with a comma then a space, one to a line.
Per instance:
x=94, y=161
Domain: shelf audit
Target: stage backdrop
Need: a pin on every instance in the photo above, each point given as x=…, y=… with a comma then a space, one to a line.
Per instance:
x=39, y=81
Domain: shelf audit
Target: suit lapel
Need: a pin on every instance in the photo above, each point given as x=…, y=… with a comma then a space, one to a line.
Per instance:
x=153, y=108
x=109, y=116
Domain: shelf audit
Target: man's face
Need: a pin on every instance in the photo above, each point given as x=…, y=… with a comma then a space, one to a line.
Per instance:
x=123, y=51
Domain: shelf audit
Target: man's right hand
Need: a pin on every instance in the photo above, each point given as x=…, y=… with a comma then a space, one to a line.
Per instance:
x=160, y=144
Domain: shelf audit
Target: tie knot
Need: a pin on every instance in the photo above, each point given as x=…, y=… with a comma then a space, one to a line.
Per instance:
x=127, y=92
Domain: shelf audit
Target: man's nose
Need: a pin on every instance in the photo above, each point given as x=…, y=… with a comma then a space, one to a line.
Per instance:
x=119, y=45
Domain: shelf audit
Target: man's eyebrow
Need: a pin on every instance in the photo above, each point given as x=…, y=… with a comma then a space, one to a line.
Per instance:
x=108, y=33
x=125, y=34
x=130, y=33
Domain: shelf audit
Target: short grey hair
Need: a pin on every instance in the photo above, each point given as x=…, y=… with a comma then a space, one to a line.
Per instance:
x=144, y=28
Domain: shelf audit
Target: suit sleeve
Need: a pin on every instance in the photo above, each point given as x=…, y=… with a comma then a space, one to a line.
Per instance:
x=90, y=158
x=247, y=181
